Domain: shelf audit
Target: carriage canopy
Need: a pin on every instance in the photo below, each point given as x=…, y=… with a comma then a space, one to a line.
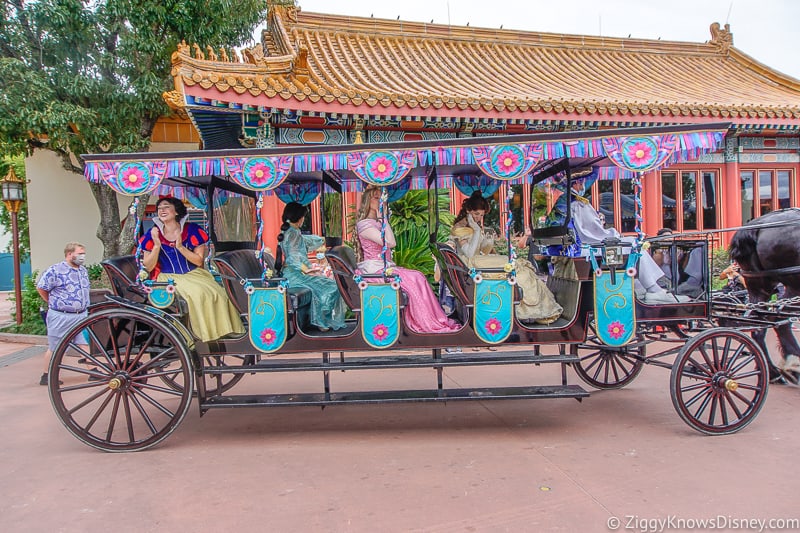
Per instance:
x=529, y=158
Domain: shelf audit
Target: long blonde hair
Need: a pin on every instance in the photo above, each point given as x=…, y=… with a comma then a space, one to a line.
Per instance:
x=363, y=212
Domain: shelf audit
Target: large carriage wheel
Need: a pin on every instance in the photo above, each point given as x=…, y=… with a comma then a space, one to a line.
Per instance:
x=719, y=381
x=604, y=367
x=119, y=406
x=215, y=383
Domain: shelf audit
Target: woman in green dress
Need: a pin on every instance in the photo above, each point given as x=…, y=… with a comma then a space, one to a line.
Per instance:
x=327, y=305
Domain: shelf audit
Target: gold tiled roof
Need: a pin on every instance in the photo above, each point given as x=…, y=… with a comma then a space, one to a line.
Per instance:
x=311, y=61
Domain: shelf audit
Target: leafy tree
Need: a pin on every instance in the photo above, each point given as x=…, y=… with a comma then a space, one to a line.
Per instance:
x=18, y=164
x=87, y=77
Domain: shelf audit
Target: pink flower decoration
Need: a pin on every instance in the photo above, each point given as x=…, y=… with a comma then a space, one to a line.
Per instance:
x=640, y=154
x=260, y=174
x=616, y=330
x=133, y=178
x=380, y=332
x=382, y=167
x=268, y=336
x=508, y=162
x=493, y=326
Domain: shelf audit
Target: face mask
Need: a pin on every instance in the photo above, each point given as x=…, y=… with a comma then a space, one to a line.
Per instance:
x=320, y=256
x=79, y=259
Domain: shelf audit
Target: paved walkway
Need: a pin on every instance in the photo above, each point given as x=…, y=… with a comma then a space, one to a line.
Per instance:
x=548, y=465
x=21, y=346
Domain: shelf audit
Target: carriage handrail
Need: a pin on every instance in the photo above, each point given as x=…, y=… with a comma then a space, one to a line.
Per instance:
x=703, y=233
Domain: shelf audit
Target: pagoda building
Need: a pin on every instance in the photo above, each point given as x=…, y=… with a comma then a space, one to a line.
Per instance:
x=329, y=79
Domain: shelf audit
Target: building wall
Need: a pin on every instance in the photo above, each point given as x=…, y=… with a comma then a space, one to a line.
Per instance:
x=61, y=208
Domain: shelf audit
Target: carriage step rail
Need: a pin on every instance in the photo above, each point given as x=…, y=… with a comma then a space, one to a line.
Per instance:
x=389, y=361
x=395, y=396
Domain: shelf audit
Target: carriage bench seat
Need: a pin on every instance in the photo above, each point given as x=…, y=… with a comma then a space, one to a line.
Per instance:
x=236, y=265
x=122, y=272
x=343, y=263
x=456, y=274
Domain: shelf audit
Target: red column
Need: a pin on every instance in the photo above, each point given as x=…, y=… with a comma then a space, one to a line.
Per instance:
x=526, y=205
x=271, y=214
x=316, y=219
x=501, y=206
x=731, y=198
x=652, y=213
x=457, y=199
x=352, y=203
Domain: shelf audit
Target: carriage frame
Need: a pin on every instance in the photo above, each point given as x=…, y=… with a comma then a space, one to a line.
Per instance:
x=148, y=367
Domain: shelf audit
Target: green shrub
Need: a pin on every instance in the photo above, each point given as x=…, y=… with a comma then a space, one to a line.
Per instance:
x=97, y=277
x=720, y=260
x=95, y=271
x=32, y=323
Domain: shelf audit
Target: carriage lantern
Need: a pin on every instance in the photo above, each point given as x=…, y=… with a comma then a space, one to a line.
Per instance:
x=13, y=197
x=613, y=256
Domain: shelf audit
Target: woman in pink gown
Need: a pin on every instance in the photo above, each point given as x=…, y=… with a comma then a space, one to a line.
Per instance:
x=423, y=312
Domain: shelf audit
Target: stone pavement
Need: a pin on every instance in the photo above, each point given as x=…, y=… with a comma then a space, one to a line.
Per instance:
x=14, y=348
x=524, y=465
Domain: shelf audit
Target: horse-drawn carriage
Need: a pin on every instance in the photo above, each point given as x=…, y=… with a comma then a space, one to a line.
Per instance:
x=148, y=365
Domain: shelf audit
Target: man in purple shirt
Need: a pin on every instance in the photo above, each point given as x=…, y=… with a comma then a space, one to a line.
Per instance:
x=65, y=289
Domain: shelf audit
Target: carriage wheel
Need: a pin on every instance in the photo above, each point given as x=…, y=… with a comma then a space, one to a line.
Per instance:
x=216, y=384
x=719, y=381
x=604, y=367
x=119, y=406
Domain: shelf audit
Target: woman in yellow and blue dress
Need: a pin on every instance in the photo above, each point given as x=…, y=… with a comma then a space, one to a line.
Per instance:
x=176, y=249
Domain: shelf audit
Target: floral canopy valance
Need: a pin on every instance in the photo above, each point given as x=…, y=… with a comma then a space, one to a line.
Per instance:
x=618, y=153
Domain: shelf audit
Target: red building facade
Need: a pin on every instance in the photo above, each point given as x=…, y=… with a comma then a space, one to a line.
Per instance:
x=328, y=79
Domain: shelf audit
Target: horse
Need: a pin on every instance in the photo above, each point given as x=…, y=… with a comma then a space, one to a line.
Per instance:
x=768, y=253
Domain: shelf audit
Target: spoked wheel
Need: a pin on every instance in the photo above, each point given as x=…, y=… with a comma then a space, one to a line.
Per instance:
x=216, y=383
x=604, y=367
x=719, y=381
x=118, y=406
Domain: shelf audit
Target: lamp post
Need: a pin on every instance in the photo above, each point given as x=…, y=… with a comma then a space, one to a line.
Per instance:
x=13, y=196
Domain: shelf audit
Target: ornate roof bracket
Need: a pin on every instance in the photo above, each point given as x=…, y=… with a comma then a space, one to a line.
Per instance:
x=176, y=102
x=721, y=38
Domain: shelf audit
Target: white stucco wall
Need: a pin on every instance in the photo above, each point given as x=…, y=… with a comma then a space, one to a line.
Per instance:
x=61, y=208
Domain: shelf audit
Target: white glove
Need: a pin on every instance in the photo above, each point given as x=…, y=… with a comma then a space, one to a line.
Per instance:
x=472, y=247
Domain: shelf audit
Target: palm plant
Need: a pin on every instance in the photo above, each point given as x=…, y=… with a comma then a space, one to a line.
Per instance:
x=410, y=224
x=333, y=214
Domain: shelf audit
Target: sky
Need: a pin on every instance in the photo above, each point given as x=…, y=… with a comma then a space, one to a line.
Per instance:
x=766, y=30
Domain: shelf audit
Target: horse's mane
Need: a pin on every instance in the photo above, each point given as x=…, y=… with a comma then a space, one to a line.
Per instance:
x=743, y=249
